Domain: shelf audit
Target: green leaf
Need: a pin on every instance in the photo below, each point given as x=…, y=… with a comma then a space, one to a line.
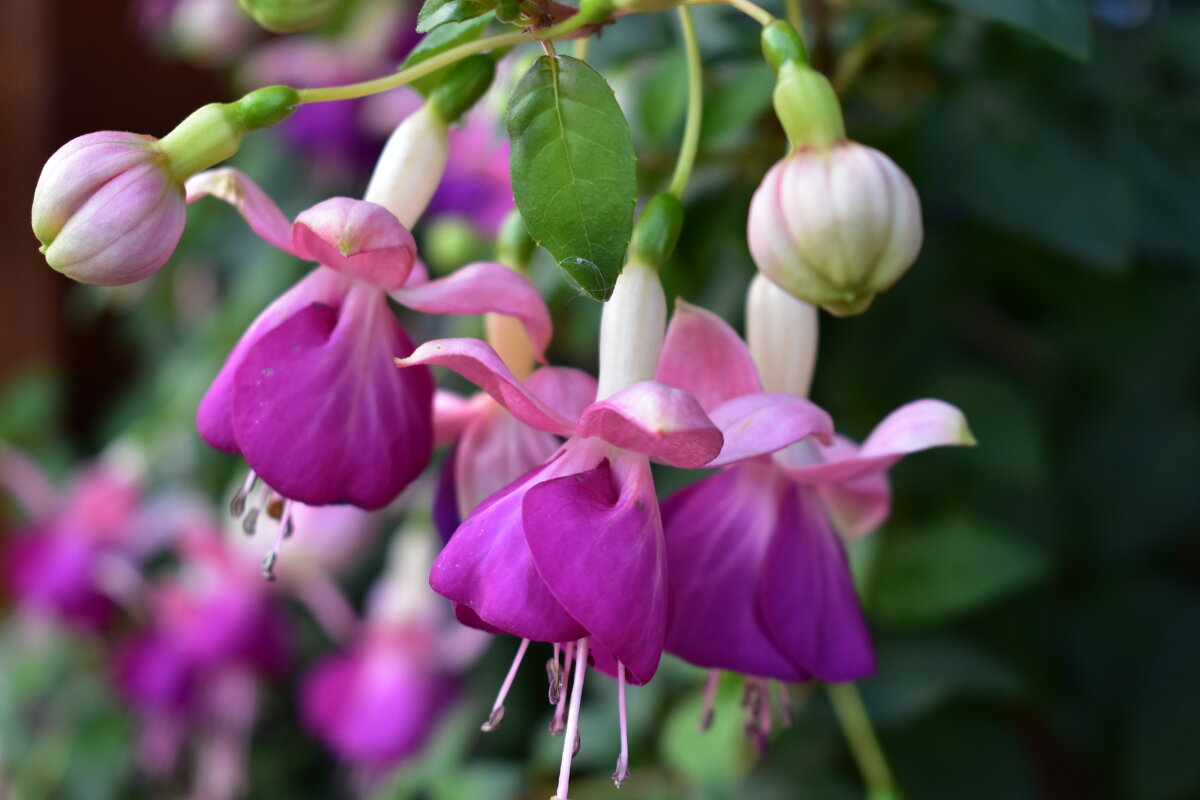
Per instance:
x=953, y=567
x=448, y=35
x=1061, y=23
x=573, y=169
x=436, y=13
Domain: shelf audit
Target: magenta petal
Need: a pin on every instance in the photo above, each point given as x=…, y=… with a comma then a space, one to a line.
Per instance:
x=214, y=418
x=323, y=416
x=568, y=391
x=479, y=363
x=487, y=569
x=703, y=355
x=481, y=288
x=756, y=424
x=597, y=540
x=251, y=202
x=916, y=426
x=656, y=420
x=806, y=595
x=717, y=534
x=357, y=238
x=493, y=453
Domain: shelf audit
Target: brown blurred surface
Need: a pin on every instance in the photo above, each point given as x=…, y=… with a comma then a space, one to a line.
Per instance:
x=68, y=67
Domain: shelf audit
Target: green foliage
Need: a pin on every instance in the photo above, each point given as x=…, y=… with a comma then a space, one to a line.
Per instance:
x=445, y=37
x=1063, y=24
x=436, y=13
x=573, y=169
x=950, y=568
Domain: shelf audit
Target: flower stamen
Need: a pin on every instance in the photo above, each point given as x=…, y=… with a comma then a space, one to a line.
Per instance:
x=571, y=743
x=497, y=716
x=622, y=772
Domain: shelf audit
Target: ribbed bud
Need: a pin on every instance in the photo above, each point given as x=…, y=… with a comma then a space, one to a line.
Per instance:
x=411, y=166
x=835, y=227
x=107, y=209
x=288, y=16
x=632, y=327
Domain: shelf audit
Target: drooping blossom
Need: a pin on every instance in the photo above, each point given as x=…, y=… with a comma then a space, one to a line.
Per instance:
x=193, y=673
x=73, y=558
x=375, y=703
x=572, y=553
x=309, y=395
x=760, y=583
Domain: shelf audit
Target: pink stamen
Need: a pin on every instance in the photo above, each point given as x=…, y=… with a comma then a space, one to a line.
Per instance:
x=237, y=505
x=785, y=705
x=622, y=772
x=710, y=699
x=558, y=723
x=497, y=716
x=328, y=606
x=555, y=676
x=572, y=738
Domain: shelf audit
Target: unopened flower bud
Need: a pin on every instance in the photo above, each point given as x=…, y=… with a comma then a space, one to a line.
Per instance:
x=835, y=227
x=107, y=209
x=631, y=329
x=288, y=16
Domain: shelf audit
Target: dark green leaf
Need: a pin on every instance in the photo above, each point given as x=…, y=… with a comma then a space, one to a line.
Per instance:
x=573, y=170
x=1062, y=23
x=950, y=568
x=447, y=36
x=436, y=13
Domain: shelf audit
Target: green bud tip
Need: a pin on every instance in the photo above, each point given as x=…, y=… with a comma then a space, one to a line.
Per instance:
x=657, y=230
x=514, y=245
x=597, y=10
x=267, y=106
x=781, y=44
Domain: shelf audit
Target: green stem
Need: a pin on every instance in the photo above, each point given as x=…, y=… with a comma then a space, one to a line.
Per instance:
x=795, y=15
x=857, y=727
x=434, y=63
x=752, y=10
x=691, y=131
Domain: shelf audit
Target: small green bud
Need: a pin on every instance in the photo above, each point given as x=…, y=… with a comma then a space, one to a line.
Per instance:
x=657, y=230
x=450, y=242
x=267, y=106
x=509, y=12
x=462, y=87
x=514, y=245
x=781, y=44
x=808, y=107
x=288, y=16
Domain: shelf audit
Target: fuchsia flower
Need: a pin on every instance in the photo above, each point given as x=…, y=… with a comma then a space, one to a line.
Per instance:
x=78, y=544
x=759, y=578
x=376, y=703
x=214, y=632
x=309, y=395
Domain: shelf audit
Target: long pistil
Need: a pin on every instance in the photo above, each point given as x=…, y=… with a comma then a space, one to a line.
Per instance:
x=570, y=743
x=497, y=716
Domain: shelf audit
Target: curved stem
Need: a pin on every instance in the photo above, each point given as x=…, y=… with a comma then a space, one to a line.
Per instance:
x=750, y=9
x=434, y=63
x=691, y=131
x=795, y=15
x=857, y=726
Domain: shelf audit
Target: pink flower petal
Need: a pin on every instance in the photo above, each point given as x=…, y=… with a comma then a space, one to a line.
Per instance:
x=493, y=452
x=597, y=540
x=479, y=363
x=321, y=413
x=755, y=424
x=452, y=414
x=703, y=355
x=657, y=420
x=916, y=426
x=213, y=418
x=806, y=595
x=481, y=288
x=568, y=391
x=230, y=185
x=357, y=238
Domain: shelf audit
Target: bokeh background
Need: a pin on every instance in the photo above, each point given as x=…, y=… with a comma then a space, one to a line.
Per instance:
x=1035, y=600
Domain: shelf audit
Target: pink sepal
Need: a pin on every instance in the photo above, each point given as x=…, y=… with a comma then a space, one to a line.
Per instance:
x=657, y=420
x=705, y=356
x=756, y=424
x=259, y=211
x=359, y=239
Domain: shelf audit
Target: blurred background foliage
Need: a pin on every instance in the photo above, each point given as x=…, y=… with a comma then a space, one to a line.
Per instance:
x=1034, y=600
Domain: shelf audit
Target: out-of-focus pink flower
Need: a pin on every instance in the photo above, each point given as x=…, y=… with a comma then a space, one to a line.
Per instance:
x=76, y=545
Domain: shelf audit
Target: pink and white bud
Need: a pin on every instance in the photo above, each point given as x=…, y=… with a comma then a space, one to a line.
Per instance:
x=107, y=208
x=835, y=227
